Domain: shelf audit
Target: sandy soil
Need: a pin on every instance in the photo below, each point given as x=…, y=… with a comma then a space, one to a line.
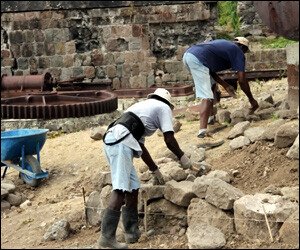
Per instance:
x=75, y=161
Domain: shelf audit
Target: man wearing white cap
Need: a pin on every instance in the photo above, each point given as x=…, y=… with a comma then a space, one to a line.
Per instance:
x=204, y=60
x=124, y=140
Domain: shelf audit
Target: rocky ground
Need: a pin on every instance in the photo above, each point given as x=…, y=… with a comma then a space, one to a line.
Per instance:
x=75, y=161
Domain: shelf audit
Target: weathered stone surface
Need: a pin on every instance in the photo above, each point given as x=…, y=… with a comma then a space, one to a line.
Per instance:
x=289, y=232
x=152, y=191
x=221, y=174
x=223, y=116
x=204, y=236
x=238, y=129
x=291, y=192
x=254, y=133
x=286, y=134
x=4, y=193
x=250, y=210
x=239, y=142
x=97, y=133
x=14, y=199
x=104, y=179
x=221, y=194
x=94, y=208
x=179, y=193
x=210, y=215
x=293, y=152
x=271, y=129
x=200, y=185
x=166, y=207
x=173, y=171
x=8, y=185
x=5, y=205
x=58, y=231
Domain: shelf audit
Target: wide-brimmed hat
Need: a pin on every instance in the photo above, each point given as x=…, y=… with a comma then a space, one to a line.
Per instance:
x=164, y=94
x=242, y=40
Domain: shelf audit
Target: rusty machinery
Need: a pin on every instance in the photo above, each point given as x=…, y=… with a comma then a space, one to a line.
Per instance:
x=36, y=97
x=41, y=97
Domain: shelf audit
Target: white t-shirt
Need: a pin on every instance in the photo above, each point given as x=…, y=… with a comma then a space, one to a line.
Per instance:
x=153, y=113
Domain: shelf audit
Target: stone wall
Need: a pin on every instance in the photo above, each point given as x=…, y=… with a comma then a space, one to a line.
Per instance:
x=131, y=45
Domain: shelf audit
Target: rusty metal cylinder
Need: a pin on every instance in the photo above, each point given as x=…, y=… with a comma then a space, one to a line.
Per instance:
x=292, y=54
x=42, y=82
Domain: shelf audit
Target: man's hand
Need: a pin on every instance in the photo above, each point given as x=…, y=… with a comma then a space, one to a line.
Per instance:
x=158, y=178
x=185, y=162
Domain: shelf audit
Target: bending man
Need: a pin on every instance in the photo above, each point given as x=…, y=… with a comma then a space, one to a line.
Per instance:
x=204, y=60
x=124, y=140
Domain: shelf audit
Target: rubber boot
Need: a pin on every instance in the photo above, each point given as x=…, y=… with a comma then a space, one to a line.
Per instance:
x=131, y=224
x=108, y=230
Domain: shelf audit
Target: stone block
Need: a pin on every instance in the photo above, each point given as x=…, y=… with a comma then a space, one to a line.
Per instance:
x=39, y=49
x=138, y=30
x=7, y=62
x=49, y=49
x=27, y=50
x=66, y=74
x=46, y=14
x=33, y=63
x=38, y=36
x=68, y=61
x=56, y=61
x=16, y=37
x=109, y=58
x=34, y=24
x=44, y=62
x=111, y=71
x=29, y=36
x=134, y=44
x=116, y=83
x=97, y=58
x=60, y=48
x=89, y=71
x=77, y=71
x=118, y=31
x=22, y=63
x=32, y=15
x=70, y=47
x=135, y=70
x=119, y=44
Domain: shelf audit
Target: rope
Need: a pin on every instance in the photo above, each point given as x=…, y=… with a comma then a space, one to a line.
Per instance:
x=206, y=217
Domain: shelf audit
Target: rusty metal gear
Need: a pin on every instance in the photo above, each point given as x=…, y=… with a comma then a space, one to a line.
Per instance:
x=58, y=105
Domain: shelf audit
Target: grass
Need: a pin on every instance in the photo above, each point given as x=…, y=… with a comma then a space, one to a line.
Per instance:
x=227, y=16
x=278, y=42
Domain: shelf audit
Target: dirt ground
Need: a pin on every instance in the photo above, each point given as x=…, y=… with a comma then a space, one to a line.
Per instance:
x=75, y=161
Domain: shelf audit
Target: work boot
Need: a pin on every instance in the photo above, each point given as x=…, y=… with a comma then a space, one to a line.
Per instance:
x=131, y=224
x=108, y=230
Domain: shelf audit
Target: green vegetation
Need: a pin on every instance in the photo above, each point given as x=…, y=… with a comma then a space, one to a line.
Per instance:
x=274, y=117
x=227, y=16
x=278, y=42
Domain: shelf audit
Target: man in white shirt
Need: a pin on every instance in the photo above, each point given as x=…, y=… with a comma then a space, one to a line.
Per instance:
x=124, y=140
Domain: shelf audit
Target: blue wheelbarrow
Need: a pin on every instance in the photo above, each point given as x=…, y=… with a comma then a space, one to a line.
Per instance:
x=18, y=148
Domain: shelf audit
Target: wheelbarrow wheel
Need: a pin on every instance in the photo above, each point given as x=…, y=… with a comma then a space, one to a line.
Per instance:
x=31, y=164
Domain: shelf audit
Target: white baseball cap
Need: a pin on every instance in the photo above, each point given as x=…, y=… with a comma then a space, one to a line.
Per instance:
x=164, y=94
x=242, y=40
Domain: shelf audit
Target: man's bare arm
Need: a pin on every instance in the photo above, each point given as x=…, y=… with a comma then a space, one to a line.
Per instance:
x=230, y=89
x=243, y=82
